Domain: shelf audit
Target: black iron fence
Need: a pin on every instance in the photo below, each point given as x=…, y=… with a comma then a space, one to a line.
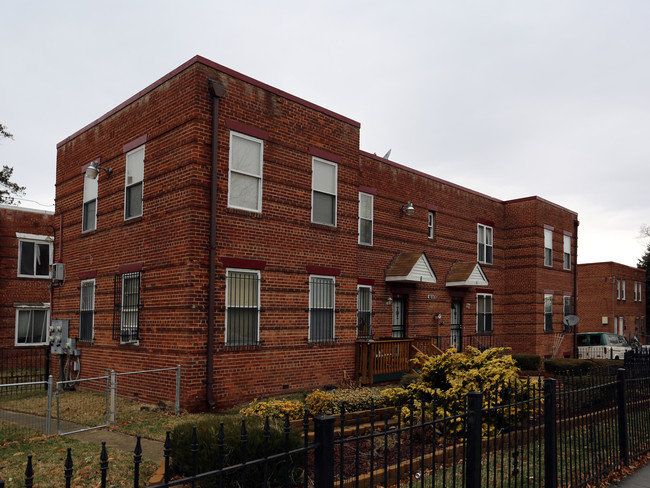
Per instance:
x=23, y=365
x=563, y=432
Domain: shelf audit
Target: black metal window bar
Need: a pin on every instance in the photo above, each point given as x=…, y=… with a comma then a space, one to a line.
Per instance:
x=243, y=308
x=321, y=309
x=484, y=313
x=87, y=311
x=364, y=313
x=127, y=306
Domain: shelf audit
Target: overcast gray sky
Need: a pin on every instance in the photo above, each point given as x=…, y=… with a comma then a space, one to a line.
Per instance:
x=508, y=98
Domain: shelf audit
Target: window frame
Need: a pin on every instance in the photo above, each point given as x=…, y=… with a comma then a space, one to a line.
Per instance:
x=83, y=311
x=367, y=313
x=120, y=310
x=331, y=333
x=34, y=240
x=319, y=161
x=258, y=283
x=90, y=185
x=259, y=177
x=618, y=289
x=431, y=223
x=623, y=290
x=30, y=308
x=483, y=244
x=548, y=312
x=363, y=219
x=481, y=317
x=133, y=184
x=567, y=253
x=548, y=248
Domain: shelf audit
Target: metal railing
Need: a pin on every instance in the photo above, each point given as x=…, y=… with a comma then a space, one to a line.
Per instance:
x=571, y=432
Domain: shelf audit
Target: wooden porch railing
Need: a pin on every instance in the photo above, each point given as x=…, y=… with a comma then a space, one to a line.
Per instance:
x=387, y=360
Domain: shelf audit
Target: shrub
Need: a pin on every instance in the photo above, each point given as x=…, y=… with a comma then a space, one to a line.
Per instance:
x=559, y=365
x=277, y=409
x=527, y=362
x=330, y=402
x=449, y=377
x=209, y=456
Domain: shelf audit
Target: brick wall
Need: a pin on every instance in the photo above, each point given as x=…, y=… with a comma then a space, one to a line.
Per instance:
x=602, y=298
x=170, y=242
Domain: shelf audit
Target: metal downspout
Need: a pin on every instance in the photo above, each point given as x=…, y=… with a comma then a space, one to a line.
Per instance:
x=217, y=91
x=576, y=223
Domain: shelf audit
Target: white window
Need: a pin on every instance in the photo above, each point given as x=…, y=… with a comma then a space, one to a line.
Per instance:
x=245, y=175
x=484, y=239
x=636, y=294
x=321, y=308
x=87, y=311
x=567, y=252
x=618, y=289
x=548, y=247
x=242, y=307
x=89, y=214
x=548, y=313
x=133, y=183
x=324, y=192
x=364, y=311
x=34, y=255
x=567, y=306
x=615, y=325
x=431, y=224
x=483, y=313
x=623, y=290
x=32, y=325
x=365, y=218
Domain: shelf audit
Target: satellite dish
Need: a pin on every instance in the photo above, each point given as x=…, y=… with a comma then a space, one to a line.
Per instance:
x=571, y=320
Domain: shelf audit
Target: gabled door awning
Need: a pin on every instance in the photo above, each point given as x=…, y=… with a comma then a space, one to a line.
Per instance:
x=465, y=275
x=410, y=267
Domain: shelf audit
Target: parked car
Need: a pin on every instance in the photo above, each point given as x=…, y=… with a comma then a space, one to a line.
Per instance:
x=602, y=345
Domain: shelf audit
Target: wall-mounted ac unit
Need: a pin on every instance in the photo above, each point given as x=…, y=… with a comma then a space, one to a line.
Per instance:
x=58, y=271
x=605, y=320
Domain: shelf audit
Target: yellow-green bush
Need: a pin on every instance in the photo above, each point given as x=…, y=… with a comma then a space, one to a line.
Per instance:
x=449, y=377
x=274, y=409
x=330, y=402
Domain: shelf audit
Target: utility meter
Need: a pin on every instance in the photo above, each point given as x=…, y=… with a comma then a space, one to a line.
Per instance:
x=59, y=341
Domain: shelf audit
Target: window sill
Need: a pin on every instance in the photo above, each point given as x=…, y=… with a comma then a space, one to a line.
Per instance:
x=332, y=228
x=331, y=343
x=88, y=232
x=132, y=220
x=244, y=212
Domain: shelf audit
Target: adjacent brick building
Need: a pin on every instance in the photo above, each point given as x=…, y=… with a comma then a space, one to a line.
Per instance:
x=612, y=299
x=26, y=250
x=258, y=261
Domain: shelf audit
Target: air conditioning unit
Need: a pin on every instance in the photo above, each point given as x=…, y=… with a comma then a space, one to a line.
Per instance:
x=57, y=271
x=605, y=320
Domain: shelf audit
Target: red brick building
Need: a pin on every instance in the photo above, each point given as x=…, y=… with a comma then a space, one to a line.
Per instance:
x=26, y=251
x=256, y=262
x=612, y=299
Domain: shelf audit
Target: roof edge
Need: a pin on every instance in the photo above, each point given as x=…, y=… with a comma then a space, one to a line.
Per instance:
x=211, y=64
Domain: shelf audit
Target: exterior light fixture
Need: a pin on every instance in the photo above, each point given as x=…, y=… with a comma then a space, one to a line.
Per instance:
x=408, y=209
x=93, y=170
x=389, y=302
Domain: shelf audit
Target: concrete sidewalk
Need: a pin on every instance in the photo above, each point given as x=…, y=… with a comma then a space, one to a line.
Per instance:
x=639, y=479
x=151, y=450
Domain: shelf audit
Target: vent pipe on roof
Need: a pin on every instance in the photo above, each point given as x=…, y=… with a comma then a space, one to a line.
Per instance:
x=217, y=91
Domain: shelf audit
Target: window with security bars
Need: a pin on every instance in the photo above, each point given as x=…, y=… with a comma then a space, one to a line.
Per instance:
x=321, y=309
x=364, y=312
x=87, y=311
x=483, y=313
x=243, y=308
x=126, y=313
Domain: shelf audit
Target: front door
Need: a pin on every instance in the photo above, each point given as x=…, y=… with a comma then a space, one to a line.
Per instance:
x=456, y=339
x=399, y=318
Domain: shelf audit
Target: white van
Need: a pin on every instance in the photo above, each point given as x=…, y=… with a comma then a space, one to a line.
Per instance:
x=602, y=345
